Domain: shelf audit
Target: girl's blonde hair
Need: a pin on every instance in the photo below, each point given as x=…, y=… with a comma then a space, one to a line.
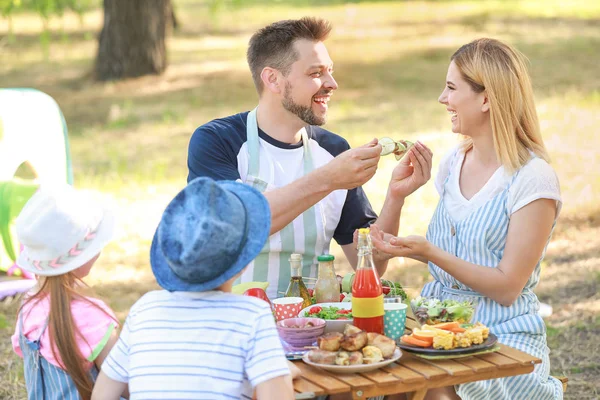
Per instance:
x=501, y=71
x=62, y=329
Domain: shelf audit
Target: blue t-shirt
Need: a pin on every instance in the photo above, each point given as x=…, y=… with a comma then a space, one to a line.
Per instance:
x=218, y=150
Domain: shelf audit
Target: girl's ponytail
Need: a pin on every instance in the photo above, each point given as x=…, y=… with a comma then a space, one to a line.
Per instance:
x=62, y=332
x=62, y=328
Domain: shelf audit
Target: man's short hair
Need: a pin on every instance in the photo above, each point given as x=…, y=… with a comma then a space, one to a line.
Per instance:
x=273, y=45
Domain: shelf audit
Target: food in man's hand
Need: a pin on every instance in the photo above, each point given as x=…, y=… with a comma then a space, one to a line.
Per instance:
x=398, y=147
x=382, y=342
x=355, y=347
x=322, y=357
x=371, y=355
x=355, y=341
x=330, y=341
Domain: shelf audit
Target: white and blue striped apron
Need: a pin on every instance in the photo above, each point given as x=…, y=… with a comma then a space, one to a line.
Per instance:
x=305, y=235
x=480, y=239
x=44, y=380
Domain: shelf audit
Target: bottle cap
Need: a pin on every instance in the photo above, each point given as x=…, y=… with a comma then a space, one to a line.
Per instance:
x=295, y=257
x=326, y=257
x=364, y=231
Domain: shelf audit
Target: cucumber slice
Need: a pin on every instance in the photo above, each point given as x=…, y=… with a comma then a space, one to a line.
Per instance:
x=347, y=282
x=388, y=146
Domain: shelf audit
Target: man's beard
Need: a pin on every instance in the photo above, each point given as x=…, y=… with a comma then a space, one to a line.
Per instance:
x=306, y=114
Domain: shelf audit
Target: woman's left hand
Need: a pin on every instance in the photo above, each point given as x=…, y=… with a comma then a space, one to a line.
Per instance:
x=412, y=172
x=409, y=246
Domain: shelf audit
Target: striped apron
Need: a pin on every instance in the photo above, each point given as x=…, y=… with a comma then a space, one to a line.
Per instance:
x=480, y=238
x=44, y=380
x=305, y=235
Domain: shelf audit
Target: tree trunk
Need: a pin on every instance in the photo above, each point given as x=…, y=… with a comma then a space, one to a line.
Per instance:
x=132, y=40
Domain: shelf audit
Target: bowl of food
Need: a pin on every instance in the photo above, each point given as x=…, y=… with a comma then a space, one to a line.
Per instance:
x=430, y=310
x=300, y=332
x=336, y=315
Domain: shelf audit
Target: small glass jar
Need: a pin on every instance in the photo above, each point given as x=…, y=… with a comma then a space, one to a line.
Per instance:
x=327, y=288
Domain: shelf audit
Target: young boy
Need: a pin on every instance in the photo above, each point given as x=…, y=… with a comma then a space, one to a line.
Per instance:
x=195, y=339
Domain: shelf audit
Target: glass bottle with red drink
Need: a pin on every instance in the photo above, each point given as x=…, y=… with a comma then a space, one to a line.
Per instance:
x=367, y=293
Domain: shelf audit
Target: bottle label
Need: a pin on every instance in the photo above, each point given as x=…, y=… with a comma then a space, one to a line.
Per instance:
x=367, y=307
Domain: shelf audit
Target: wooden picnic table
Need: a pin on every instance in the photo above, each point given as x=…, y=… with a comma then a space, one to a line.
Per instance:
x=414, y=375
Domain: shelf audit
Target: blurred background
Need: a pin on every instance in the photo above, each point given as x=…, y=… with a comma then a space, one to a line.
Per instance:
x=134, y=86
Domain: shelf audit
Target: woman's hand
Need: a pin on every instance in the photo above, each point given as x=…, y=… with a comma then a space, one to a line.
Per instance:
x=416, y=247
x=412, y=172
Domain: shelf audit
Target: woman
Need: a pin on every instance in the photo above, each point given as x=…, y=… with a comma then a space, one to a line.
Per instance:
x=499, y=200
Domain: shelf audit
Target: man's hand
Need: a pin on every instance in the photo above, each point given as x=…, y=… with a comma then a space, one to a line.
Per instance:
x=354, y=167
x=412, y=172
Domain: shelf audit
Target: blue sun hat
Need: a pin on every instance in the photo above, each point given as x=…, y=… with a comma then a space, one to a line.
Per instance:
x=208, y=234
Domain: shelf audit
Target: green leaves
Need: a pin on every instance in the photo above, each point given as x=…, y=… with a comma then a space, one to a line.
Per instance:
x=45, y=8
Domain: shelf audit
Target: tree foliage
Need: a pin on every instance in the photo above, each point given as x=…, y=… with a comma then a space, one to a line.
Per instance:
x=45, y=8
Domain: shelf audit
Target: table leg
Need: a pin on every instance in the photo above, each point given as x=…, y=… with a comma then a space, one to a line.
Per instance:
x=417, y=395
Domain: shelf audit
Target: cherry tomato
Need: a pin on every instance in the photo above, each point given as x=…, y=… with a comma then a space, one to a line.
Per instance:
x=314, y=310
x=342, y=297
x=386, y=289
x=311, y=292
x=344, y=311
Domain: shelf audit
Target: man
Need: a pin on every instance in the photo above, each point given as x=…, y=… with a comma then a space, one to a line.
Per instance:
x=310, y=176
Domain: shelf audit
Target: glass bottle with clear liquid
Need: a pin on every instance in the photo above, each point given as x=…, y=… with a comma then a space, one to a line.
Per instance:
x=367, y=293
x=297, y=288
x=327, y=288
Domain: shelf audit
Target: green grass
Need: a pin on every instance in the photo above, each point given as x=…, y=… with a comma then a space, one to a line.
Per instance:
x=129, y=139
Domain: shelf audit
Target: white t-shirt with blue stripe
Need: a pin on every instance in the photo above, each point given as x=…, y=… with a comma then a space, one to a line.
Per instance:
x=210, y=345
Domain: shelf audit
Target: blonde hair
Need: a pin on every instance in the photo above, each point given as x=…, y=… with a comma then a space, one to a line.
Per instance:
x=501, y=71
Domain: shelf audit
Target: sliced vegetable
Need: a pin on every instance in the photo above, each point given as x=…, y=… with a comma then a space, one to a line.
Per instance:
x=447, y=326
x=414, y=341
x=426, y=336
x=314, y=310
x=388, y=146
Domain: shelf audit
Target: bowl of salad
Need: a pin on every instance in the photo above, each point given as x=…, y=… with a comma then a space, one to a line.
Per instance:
x=431, y=311
x=336, y=315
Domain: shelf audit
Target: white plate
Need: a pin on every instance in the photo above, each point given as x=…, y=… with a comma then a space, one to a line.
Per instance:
x=331, y=325
x=351, y=369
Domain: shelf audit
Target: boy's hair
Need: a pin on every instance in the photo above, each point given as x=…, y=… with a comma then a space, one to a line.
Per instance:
x=273, y=45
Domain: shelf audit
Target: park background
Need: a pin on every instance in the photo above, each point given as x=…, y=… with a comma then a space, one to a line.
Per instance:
x=129, y=136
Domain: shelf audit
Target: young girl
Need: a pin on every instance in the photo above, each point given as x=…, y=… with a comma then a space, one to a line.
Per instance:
x=499, y=200
x=62, y=335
